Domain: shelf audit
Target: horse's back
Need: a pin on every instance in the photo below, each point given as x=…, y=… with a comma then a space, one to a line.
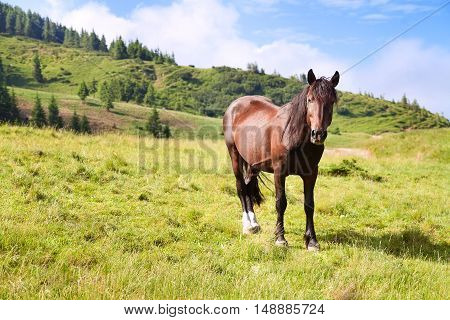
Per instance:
x=249, y=110
x=248, y=124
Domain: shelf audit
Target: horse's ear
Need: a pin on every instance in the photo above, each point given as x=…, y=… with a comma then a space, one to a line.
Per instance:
x=311, y=77
x=335, y=79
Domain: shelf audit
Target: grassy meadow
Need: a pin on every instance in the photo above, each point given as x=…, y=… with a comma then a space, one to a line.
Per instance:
x=113, y=216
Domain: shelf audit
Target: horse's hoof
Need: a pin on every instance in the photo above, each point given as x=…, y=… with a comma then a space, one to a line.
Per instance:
x=281, y=243
x=313, y=247
x=251, y=230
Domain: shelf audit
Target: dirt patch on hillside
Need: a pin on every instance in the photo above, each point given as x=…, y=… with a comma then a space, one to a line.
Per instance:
x=345, y=152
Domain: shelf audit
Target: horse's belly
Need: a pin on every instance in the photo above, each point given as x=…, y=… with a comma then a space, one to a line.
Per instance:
x=253, y=145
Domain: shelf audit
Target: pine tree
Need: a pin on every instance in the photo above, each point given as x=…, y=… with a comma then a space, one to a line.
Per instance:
x=54, y=119
x=46, y=30
x=38, y=118
x=5, y=100
x=93, y=41
x=154, y=123
x=404, y=100
x=14, y=109
x=75, y=123
x=68, y=40
x=106, y=96
x=4, y=104
x=2, y=74
x=10, y=22
x=84, y=39
x=27, y=28
x=37, y=71
x=84, y=126
x=119, y=51
x=93, y=87
x=103, y=46
x=166, y=131
x=150, y=96
x=83, y=91
x=19, y=28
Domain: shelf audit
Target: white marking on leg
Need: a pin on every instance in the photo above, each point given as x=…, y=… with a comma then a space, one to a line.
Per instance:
x=252, y=217
x=246, y=224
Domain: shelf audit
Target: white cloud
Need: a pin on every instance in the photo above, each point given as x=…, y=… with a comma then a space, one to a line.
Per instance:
x=99, y=17
x=203, y=33
x=375, y=17
x=406, y=66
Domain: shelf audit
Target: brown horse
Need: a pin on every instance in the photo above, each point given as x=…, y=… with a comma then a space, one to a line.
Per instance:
x=286, y=140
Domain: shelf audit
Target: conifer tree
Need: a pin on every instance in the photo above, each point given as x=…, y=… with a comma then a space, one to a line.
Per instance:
x=83, y=91
x=106, y=96
x=93, y=87
x=75, y=123
x=18, y=28
x=54, y=119
x=37, y=71
x=10, y=22
x=119, y=51
x=2, y=74
x=14, y=108
x=46, y=30
x=150, y=96
x=93, y=41
x=166, y=131
x=5, y=104
x=84, y=125
x=27, y=27
x=68, y=40
x=154, y=123
x=38, y=118
x=103, y=46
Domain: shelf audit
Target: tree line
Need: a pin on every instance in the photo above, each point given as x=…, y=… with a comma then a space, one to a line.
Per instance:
x=15, y=21
x=40, y=119
x=119, y=89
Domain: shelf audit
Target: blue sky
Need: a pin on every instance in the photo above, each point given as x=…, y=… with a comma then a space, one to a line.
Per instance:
x=288, y=36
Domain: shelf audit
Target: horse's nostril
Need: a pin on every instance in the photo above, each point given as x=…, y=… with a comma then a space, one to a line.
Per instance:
x=324, y=135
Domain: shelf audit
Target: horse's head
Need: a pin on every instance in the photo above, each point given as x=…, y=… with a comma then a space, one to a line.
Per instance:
x=321, y=96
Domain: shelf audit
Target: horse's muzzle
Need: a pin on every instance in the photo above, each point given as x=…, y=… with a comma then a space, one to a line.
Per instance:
x=318, y=136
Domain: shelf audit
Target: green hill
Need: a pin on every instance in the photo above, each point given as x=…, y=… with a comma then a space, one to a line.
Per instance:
x=186, y=89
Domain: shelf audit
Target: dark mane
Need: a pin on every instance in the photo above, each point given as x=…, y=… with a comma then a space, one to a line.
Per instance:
x=296, y=126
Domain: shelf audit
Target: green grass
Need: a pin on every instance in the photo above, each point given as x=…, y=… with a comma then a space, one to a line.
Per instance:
x=89, y=217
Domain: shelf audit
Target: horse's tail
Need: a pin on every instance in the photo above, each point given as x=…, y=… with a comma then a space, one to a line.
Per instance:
x=254, y=191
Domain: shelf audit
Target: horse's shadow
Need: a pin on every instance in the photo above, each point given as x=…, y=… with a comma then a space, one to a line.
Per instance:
x=411, y=243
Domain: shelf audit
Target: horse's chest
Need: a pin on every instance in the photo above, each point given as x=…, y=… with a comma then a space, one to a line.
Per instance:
x=304, y=159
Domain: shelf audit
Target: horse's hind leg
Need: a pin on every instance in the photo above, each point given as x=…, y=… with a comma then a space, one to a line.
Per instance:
x=252, y=191
x=249, y=223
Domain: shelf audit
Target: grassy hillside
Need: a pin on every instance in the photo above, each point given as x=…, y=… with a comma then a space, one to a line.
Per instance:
x=188, y=89
x=79, y=218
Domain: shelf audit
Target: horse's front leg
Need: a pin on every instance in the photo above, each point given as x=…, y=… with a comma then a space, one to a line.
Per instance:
x=310, y=234
x=281, y=204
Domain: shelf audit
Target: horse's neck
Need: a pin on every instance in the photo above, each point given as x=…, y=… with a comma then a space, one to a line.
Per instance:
x=296, y=129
